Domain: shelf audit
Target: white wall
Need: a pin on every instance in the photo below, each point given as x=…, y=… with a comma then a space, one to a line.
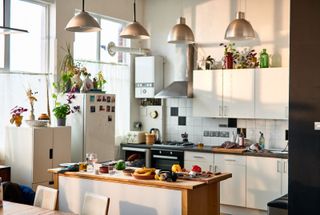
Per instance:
x=209, y=19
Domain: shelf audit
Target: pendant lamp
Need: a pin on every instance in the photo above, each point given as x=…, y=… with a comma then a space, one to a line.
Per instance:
x=239, y=29
x=83, y=22
x=7, y=30
x=181, y=33
x=134, y=30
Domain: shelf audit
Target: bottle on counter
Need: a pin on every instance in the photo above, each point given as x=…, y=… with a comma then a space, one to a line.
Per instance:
x=261, y=140
x=264, y=59
x=241, y=138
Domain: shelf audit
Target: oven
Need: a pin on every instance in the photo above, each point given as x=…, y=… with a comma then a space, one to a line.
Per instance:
x=142, y=156
x=165, y=158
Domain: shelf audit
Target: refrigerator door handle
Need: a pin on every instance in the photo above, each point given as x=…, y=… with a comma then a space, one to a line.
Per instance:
x=50, y=153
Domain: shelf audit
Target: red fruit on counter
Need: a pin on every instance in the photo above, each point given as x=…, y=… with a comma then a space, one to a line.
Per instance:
x=196, y=168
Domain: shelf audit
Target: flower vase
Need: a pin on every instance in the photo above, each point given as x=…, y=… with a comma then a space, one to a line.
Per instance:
x=18, y=120
x=228, y=61
x=61, y=122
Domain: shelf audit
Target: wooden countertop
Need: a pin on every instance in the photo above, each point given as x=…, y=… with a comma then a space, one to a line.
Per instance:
x=119, y=177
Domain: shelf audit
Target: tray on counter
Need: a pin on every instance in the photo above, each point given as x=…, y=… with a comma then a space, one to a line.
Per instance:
x=206, y=179
x=231, y=150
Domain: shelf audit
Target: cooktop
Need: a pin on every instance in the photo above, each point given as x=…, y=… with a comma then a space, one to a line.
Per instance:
x=176, y=144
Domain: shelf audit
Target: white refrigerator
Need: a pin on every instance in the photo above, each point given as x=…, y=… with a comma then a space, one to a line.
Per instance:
x=93, y=127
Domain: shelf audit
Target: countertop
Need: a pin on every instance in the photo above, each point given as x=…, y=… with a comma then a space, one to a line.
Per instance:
x=207, y=149
x=119, y=177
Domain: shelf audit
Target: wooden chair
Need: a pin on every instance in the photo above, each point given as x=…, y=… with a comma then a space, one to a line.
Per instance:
x=46, y=197
x=95, y=205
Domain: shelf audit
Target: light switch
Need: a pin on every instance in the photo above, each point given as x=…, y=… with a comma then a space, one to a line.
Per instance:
x=316, y=125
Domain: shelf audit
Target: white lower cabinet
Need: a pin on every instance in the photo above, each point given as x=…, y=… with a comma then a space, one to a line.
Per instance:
x=232, y=190
x=267, y=179
x=204, y=160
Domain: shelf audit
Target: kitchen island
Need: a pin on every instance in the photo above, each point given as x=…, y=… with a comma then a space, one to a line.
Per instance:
x=133, y=196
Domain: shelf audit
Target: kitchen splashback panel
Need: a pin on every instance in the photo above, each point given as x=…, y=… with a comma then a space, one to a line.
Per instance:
x=214, y=131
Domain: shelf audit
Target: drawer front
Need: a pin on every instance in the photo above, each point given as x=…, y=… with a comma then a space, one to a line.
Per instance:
x=226, y=159
x=199, y=157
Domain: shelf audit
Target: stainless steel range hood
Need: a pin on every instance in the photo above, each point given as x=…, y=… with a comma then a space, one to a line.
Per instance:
x=181, y=89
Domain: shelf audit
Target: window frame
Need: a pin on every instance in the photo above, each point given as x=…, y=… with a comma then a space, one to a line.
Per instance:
x=6, y=69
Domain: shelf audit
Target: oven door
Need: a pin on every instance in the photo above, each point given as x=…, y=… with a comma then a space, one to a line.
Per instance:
x=143, y=156
x=164, y=159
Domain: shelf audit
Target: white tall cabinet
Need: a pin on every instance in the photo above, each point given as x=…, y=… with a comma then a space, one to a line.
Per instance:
x=30, y=152
x=267, y=179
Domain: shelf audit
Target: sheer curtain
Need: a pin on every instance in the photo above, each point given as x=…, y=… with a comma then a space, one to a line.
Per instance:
x=13, y=93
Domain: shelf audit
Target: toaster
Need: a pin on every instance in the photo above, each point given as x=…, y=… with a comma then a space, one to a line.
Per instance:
x=136, y=137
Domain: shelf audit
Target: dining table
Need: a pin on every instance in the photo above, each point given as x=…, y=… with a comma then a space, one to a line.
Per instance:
x=12, y=208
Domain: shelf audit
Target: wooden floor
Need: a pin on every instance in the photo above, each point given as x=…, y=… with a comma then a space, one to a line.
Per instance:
x=232, y=210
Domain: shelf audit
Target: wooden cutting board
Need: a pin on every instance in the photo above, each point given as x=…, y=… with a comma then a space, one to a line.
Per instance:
x=207, y=180
x=231, y=151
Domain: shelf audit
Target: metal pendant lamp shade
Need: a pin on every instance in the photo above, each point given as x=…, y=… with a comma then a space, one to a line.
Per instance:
x=134, y=30
x=7, y=30
x=83, y=22
x=239, y=29
x=181, y=33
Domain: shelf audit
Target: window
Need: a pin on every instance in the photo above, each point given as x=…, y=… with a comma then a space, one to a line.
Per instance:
x=23, y=60
x=94, y=47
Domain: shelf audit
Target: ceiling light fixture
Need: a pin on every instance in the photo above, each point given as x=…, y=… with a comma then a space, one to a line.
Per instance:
x=7, y=30
x=134, y=30
x=240, y=28
x=83, y=22
x=181, y=33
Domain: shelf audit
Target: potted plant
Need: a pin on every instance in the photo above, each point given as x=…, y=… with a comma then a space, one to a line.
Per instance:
x=16, y=116
x=61, y=110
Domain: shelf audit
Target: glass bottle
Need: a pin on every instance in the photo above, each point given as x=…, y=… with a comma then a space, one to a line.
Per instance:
x=261, y=140
x=264, y=59
x=228, y=61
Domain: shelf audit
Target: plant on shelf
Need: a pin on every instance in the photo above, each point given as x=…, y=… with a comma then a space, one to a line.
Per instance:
x=16, y=116
x=61, y=110
x=31, y=99
x=246, y=59
x=100, y=80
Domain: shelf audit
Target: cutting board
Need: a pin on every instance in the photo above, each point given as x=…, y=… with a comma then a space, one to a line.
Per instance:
x=207, y=180
x=231, y=151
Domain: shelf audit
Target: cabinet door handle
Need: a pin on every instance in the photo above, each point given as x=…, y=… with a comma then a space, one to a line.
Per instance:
x=231, y=160
x=278, y=166
x=50, y=153
x=199, y=157
x=284, y=167
x=225, y=110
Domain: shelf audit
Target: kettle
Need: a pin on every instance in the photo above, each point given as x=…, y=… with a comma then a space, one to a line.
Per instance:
x=157, y=133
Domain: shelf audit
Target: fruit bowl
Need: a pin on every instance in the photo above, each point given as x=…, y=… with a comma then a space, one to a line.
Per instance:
x=37, y=123
x=143, y=177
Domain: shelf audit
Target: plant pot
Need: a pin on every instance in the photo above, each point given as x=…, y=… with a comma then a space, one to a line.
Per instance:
x=61, y=122
x=18, y=120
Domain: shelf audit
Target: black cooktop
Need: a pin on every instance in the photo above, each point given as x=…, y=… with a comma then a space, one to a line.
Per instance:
x=176, y=144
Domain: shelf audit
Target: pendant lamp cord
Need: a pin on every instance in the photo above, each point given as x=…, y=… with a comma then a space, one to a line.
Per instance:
x=82, y=5
x=134, y=11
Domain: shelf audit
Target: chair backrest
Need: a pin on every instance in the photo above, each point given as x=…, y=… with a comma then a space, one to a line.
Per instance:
x=46, y=197
x=95, y=205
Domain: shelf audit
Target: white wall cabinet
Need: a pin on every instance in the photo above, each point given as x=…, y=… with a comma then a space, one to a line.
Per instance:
x=32, y=151
x=223, y=93
x=272, y=93
x=241, y=93
x=233, y=190
x=204, y=160
x=266, y=180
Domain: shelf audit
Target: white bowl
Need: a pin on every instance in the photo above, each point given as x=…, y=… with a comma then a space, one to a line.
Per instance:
x=37, y=123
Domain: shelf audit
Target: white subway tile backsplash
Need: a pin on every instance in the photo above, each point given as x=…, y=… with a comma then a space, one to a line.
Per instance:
x=189, y=103
x=241, y=123
x=183, y=103
x=182, y=111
